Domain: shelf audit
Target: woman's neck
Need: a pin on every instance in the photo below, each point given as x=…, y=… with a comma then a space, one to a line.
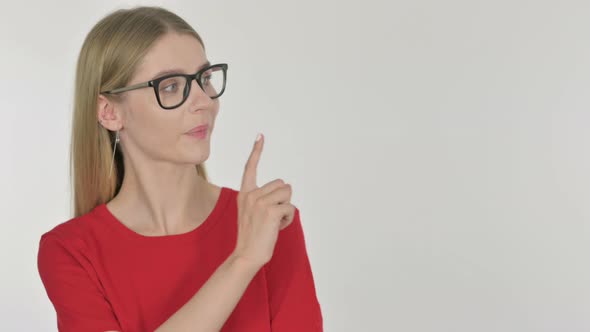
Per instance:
x=163, y=200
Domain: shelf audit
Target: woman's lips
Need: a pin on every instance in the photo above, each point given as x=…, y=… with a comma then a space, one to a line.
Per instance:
x=199, y=132
x=199, y=128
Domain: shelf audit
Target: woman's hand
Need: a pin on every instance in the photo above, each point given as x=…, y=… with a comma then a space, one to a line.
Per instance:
x=262, y=212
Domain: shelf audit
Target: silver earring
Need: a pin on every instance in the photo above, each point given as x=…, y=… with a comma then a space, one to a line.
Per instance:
x=117, y=139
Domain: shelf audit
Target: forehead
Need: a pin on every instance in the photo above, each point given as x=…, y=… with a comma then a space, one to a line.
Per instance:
x=172, y=51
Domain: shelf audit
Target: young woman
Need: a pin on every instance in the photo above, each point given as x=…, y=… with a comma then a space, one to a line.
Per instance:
x=153, y=245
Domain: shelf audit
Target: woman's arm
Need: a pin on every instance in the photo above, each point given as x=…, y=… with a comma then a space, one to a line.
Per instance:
x=293, y=301
x=75, y=291
x=211, y=306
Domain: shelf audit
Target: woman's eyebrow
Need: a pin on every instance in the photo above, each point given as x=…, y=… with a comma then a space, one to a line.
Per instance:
x=177, y=70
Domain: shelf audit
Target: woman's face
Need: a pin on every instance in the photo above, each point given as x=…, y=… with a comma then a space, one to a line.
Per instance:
x=159, y=134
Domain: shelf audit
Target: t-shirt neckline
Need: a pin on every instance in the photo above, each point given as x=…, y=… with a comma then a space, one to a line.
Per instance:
x=209, y=221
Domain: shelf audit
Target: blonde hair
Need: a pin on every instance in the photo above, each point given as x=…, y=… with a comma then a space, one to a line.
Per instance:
x=108, y=58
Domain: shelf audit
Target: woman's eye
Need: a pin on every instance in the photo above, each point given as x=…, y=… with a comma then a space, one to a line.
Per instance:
x=206, y=79
x=169, y=88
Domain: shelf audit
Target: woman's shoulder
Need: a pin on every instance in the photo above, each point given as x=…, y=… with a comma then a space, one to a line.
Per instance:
x=218, y=190
x=73, y=230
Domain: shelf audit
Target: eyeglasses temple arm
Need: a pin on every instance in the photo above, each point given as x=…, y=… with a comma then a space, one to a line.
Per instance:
x=131, y=87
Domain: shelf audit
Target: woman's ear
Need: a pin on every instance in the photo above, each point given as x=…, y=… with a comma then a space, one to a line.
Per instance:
x=108, y=115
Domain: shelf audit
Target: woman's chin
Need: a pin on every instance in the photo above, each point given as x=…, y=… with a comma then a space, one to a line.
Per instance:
x=198, y=158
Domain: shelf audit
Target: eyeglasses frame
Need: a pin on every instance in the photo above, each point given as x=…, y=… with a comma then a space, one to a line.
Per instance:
x=189, y=77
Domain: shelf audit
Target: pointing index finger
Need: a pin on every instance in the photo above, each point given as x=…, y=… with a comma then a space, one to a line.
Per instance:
x=250, y=170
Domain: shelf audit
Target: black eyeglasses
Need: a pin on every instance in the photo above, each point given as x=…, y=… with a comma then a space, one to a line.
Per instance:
x=172, y=90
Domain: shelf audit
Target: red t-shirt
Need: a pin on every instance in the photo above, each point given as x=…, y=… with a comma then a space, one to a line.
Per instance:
x=101, y=275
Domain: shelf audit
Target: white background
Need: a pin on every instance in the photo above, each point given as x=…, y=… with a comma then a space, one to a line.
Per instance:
x=438, y=150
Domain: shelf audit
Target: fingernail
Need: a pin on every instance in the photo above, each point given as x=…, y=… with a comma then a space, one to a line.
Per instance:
x=258, y=137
